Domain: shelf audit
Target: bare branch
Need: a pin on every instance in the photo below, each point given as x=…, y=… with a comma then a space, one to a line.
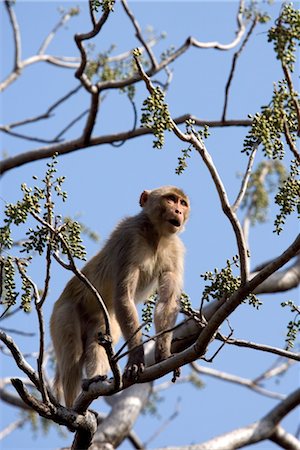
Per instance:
x=54, y=60
x=79, y=38
x=284, y=439
x=46, y=115
x=64, y=19
x=280, y=281
x=92, y=115
x=262, y=347
x=288, y=78
x=275, y=370
x=234, y=61
x=19, y=65
x=10, y=398
x=165, y=424
x=11, y=428
x=78, y=144
x=16, y=35
x=70, y=124
x=190, y=42
x=125, y=411
x=40, y=359
x=250, y=384
x=265, y=428
x=245, y=181
x=290, y=141
x=20, y=360
x=138, y=34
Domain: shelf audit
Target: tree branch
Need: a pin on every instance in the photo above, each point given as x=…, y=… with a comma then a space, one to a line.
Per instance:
x=138, y=34
x=19, y=65
x=265, y=428
x=125, y=411
x=250, y=384
x=284, y=439
x=79, y=144
x=233, y=65
x=11, y=428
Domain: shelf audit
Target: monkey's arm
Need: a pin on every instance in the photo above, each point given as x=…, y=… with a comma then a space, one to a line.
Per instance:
x=166, y=312
x=128, y=319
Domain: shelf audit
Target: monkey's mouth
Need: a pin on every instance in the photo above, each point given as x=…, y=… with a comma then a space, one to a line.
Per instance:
x=175, y=222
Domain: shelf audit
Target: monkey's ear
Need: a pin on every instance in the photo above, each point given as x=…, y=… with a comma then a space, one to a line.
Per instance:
x=144, y=197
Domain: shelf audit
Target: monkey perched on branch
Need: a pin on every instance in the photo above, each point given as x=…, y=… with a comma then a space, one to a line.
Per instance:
x=143, y=254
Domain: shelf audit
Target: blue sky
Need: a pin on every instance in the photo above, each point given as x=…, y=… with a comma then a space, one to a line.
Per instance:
x=104, y=184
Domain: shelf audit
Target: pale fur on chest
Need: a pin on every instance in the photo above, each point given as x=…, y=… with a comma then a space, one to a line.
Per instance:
x=167, y=257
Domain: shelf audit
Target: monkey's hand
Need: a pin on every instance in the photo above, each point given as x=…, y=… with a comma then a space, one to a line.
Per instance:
x=135, y=365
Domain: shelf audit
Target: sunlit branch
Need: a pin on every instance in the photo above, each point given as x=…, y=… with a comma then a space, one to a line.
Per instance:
x=250, y=384
x=65, y=18
x=20, y=64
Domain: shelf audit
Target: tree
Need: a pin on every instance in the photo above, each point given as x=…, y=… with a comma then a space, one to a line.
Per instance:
x=36, y=224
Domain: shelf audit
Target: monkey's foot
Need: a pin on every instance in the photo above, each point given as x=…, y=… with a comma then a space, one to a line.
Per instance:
x=133, y=371
x=135, y=365
x=88, y=381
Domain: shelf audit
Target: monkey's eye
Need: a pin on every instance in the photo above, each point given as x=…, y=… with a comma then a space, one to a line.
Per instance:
x=172, y=198
x=184, y=203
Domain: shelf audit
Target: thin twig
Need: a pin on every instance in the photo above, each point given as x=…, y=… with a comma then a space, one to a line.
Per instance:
x=290, y=141
x=292, y=92
x=233, y=65
x=70, y=125
x=250, y=384
x=19, y=358
x=12, y=427
x=36, y=295
x=245, y=181
x=210, y=360
x=19, y=332
x=261, y=347
x=43, y=116
x=275, y=370
x=164, y=425
x=16, y=35
x=138, y=34
x=67, y=16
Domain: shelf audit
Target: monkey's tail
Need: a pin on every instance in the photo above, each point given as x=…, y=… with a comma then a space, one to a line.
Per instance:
x=66, y=337
x=71, y=381
x=57, y=386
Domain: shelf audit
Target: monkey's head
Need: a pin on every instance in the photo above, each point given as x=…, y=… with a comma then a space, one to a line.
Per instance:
x=167, y=207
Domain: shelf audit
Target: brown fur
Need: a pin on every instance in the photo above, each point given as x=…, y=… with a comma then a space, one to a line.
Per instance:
x=142, y=254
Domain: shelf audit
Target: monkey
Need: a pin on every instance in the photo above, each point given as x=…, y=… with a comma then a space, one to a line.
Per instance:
x=143, y=254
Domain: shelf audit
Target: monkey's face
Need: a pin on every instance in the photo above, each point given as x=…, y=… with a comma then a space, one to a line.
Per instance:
x=167, y=207
x=174, y=212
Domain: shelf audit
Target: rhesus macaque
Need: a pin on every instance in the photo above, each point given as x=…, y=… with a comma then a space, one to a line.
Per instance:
x=143, y=254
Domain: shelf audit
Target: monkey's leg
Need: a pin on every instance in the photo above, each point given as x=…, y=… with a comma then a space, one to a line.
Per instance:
x=96, y=361
x=165, y=314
